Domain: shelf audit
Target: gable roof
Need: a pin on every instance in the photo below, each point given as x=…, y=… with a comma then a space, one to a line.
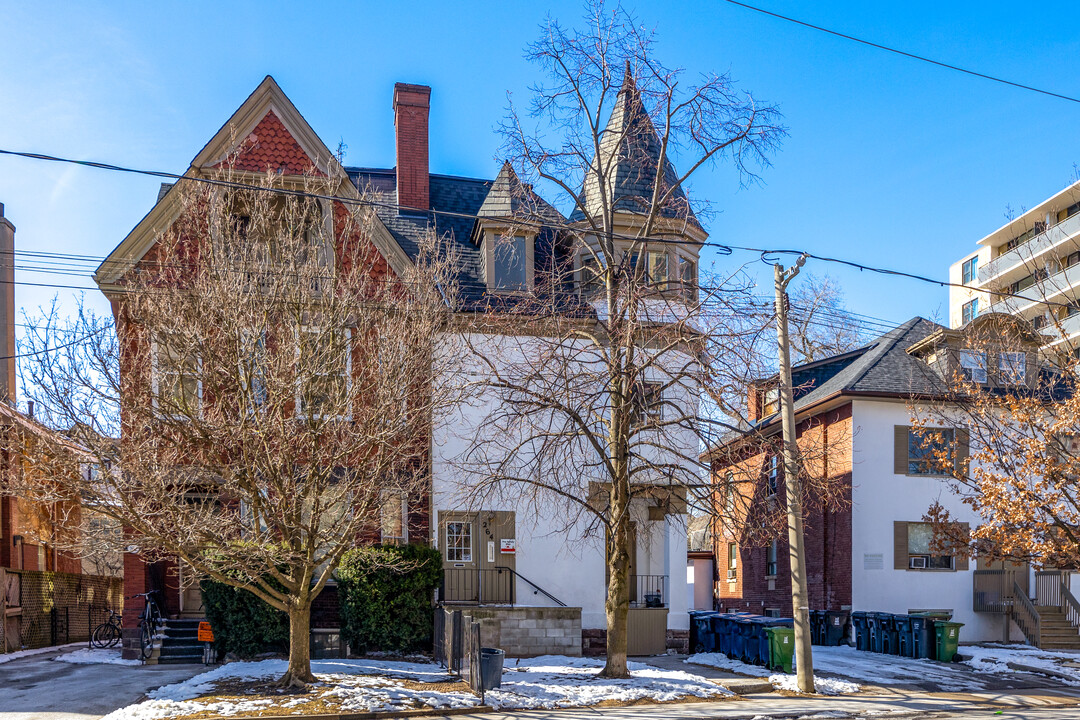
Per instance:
x=630, y=150
x=285, y=134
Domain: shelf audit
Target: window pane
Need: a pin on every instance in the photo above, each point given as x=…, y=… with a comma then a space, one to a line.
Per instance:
x=973, y=365
x=919, y=536
x=1013, y=367
x=930, y=451
x=510, y=264
x=459, y=542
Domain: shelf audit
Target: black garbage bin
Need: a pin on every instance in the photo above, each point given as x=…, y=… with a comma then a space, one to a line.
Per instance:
x=874, y=631
x=699, y=628
x=905, y=641
x=890, y=640
x=862, y=629
x=491, y=667
x=923, y=642
x=834, y=630
x=817, y=622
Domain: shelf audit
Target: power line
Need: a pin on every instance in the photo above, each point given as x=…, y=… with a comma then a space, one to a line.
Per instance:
x=904, y=53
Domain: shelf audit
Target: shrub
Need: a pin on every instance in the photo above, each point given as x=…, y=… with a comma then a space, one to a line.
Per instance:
x=243, y=624
x=385, y=594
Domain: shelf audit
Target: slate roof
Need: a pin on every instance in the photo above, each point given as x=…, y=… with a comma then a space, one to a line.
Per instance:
x=455, y=201
x=631, y=142
x=510, y=198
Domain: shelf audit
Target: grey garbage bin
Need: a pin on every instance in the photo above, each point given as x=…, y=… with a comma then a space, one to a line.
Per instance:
x=491, y=667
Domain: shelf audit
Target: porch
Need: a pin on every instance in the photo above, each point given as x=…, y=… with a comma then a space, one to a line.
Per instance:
x=1049, y=617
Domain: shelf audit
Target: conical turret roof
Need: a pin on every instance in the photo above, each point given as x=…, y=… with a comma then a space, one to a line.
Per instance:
x=630, y=151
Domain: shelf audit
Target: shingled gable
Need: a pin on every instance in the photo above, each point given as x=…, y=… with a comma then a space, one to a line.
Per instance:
x=630, y=142
x=271, y=134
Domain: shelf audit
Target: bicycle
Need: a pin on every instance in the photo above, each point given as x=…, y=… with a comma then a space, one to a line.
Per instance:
x=148, y=623
x=108, y=633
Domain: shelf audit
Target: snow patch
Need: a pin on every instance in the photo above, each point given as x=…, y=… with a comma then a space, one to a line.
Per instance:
x=88, y=656
x=780, y=681
x=19, y=654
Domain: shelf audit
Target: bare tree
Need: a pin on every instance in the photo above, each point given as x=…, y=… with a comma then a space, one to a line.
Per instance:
x=821, y=326
x=598, y=373
x=269, y=379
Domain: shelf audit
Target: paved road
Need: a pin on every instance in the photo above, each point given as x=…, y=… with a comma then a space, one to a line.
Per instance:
x=37, y=688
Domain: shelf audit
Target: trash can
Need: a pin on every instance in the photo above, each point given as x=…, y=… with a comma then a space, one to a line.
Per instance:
x=763, y=637
x=817, y=623
x=873, y=627
x=904, y=639
x=922, y=637
x=781, y=648
x=834, y=630
x=862, y=629
x=890, y=643
x=702, y=639
x=719, y=631
x=752, y=630
x=947, y=635
x=738, y=629
x=491, y=667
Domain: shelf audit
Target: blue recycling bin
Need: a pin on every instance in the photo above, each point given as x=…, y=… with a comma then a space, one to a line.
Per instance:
x=923, y=642
x=752, y=632
x=702, y=639
x=859, y=619
x=905, y=642
x=740, y=628
x=890, y=640
x=728, y=637
x=873, y=625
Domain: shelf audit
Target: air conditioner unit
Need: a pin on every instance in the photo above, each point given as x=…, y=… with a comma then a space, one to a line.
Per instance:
x=918, y=562
x=731, y=574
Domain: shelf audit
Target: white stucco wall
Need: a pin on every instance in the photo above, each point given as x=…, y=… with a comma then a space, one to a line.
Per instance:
x=557, y=550
x=881, y=497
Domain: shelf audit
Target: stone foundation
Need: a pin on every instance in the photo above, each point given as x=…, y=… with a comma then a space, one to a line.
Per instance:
x=594, y=642
x=529, y=631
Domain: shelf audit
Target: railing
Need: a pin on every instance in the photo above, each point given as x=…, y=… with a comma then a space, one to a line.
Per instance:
x=648, y=590
x=487, y=586
x=1039, y=243
x=1048, y=584
x=1070, y=605
x=536, y=588
x=992, y=591
x=1026, y=616
x=478, y=586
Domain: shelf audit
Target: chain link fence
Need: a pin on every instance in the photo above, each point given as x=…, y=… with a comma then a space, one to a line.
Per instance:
x=40, y=608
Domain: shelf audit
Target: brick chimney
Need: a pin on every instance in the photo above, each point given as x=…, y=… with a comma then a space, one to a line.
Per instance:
x=7, y=309
x=411, y=136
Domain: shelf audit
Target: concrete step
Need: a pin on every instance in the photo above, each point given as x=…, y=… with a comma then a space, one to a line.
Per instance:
x=173, y=650
x=180, y=659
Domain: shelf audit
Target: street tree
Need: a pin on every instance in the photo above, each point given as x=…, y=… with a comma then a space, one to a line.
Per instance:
x=268, y=378
x=598, y=418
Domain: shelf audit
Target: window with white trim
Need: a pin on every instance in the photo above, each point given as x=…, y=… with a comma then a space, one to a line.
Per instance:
x=1012, y=367
x=733, y=560
x=459, y=542
x=323, y=372
x=969, y=311
x=774, y=476
x=973, y=366
x=970, y=270
x=648, y=402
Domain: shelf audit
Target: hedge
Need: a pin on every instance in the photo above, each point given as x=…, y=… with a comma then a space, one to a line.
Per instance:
x=385, y=593
x=243, y=624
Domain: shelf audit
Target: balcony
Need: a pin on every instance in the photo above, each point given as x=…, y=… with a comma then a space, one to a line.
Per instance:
x=1052, y=288
x=1022, y=257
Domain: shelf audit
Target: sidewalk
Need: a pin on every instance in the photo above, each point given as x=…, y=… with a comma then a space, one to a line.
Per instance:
x=773, y=705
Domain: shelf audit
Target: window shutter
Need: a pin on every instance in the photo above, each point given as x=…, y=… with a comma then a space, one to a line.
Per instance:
x=963, y=442
x=962, y=559
x=900, y=449
x=900, y=545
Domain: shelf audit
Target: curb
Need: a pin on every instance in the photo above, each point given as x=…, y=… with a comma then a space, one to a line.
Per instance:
x=418, y=712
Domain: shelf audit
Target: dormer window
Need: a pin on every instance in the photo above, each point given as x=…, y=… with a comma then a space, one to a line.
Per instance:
x=770, y=401
x=973, y=366
x=655, y=271
x=510, y=265
x=688, y=278
x=1013, y=368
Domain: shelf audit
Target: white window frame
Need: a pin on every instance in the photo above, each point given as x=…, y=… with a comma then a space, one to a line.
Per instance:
x=772, y=485
x=969, y=311
x=348, y=373
x=246, y=340
x=970, y=270
x=973, y=365
x=156, y=372
x=465, y=558
x=647, y=408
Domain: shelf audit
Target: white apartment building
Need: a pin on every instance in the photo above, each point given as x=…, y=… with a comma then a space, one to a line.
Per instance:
x=1029, y=267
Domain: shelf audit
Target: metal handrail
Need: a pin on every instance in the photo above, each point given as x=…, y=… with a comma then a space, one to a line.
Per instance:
x=536, y=588
x=1026, y=616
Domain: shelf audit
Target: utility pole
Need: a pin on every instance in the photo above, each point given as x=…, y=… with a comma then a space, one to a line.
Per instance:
x=800, y=601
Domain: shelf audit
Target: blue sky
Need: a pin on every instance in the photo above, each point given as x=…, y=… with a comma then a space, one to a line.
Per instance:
x=889, y=162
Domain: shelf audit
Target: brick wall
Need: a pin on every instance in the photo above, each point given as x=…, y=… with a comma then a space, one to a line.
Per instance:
x=411, y=104
x=827, y=531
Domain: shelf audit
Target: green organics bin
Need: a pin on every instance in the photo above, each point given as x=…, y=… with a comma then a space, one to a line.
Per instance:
x=781, y=648
x=948, y=638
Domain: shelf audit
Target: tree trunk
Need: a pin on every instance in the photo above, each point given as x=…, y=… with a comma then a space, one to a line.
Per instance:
x=617, y=604
x=299, y=672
